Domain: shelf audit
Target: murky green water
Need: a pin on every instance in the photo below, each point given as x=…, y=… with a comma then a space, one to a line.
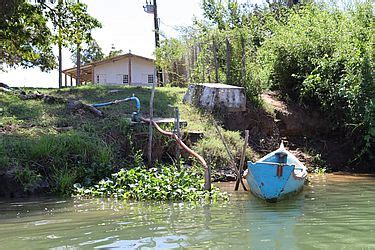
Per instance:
x=335, y=212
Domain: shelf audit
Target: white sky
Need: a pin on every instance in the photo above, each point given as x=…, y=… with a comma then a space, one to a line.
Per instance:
x=125, y=25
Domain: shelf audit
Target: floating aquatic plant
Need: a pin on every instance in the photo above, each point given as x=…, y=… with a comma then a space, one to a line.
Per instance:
x=164, y=183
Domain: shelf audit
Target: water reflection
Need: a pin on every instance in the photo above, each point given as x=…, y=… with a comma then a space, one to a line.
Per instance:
x=327, y=214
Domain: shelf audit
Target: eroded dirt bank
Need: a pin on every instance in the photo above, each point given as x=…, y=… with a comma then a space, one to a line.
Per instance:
x=307, y=133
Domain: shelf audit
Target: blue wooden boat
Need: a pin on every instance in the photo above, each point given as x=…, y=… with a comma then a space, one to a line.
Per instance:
x=276, y=175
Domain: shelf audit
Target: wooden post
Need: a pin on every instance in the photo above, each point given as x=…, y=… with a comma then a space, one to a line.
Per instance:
x=207, y=178
x=233, y=162
x=243, y=60
x=151, y=117
x=239, y=177
x=130, y=70
x=228, y=59
x=66, y=80
x=71, y=81
x=216, y=61
x=178, y=132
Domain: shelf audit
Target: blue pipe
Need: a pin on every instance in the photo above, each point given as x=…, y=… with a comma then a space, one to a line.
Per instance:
x=133, y=98
x=102, y=104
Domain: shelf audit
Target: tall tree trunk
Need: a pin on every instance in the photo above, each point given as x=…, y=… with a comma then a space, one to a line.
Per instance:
x=60, y=3
x=60, y=64
x=228, y=60
x=216, y=62
x=243, y=60
x=78, y=62
x=203, y=66
x=78, y=65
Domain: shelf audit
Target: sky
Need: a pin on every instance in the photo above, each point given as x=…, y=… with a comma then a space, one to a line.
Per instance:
x=125, y=25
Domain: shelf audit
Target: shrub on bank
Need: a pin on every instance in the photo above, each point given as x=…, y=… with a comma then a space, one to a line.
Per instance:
x=61, y=159
x=324, y=57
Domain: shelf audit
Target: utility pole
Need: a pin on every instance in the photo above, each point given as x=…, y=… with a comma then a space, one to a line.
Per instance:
x=153, y=9
x=157, y=40
x=156, y=25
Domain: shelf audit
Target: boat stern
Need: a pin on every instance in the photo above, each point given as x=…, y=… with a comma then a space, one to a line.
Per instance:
x=268, y=180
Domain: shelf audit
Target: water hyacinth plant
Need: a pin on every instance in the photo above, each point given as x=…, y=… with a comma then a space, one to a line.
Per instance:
x=164, y=183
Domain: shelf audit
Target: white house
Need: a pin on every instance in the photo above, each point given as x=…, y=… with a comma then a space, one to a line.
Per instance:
x=127, y=69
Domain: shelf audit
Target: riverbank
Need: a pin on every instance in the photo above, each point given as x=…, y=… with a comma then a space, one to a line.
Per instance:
x=48, y=146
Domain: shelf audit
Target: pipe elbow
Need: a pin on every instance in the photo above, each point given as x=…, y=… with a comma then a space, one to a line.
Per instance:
x=137, y=103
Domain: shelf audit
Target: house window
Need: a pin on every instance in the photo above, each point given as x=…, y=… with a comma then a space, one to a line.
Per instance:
x=125, y=79
x=150, y=78
x=97, y=78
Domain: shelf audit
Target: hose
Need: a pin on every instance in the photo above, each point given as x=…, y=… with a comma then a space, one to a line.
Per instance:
x=178, y=140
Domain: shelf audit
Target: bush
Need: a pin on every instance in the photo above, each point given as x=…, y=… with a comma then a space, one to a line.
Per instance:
x=63, y=159
x=324, y=57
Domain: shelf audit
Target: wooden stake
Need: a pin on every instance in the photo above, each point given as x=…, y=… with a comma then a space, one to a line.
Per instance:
x=228, y=59
x=233, y=162
x=239, y=177
x=243, y=60
x=216, y=61
x=149, y=155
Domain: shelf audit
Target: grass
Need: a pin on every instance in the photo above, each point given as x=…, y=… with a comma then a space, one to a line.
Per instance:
x=94, y=147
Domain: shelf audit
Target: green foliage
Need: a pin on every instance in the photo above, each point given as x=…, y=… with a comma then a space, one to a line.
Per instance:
x=324, y=57
x=214, y=152
x=69, y=147
x=63, y=179
x=170, y=58
x=25, y=39
x=72, y=23
x=162, y=183
x=319, y=165
x=93, y=148
x=114, y=52
x=320, y=171
x=319, y=55
x=64, y=159
x=91, y=52
x=28, y=178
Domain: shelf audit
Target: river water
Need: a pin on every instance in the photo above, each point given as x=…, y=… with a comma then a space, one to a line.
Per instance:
x=332, y=212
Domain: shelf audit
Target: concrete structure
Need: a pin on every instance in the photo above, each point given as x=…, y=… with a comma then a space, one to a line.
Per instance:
x=215, y=96
x=127, y=69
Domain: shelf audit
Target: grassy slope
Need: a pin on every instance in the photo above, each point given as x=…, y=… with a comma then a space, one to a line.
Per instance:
x=95, y=147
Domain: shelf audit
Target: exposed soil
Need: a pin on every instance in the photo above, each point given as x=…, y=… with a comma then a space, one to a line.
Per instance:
x=307, y=133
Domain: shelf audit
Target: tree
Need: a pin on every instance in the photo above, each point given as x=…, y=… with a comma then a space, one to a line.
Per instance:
x=113, y=52
x=170, y=58
x=77, y=30
x=25, y=39
x=92, y=52
x=73, y=26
